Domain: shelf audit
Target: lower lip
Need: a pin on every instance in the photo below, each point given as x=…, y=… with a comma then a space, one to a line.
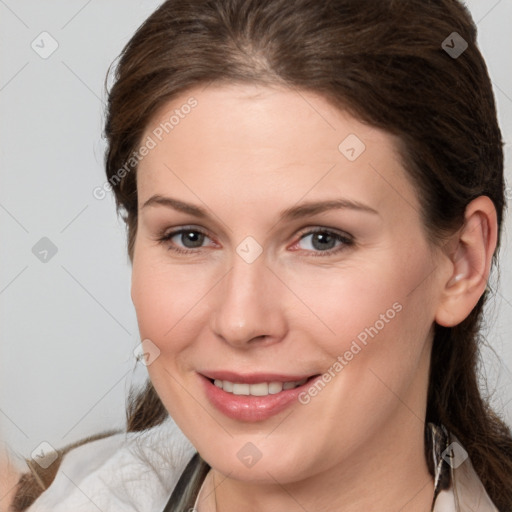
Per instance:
x=252, y=408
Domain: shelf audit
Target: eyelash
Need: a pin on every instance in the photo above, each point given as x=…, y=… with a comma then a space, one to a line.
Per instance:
x=347, y=240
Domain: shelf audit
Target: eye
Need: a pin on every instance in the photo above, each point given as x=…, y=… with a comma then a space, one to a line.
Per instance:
x=191, y=238
x=322, y=241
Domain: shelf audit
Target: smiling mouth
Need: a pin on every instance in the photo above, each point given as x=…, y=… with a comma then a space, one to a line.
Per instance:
x=259, y=388
x=253, y=397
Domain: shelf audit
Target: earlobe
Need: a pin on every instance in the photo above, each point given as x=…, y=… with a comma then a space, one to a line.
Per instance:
x=471, y=263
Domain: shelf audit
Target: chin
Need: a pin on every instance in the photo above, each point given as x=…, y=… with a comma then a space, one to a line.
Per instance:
x=247, y=464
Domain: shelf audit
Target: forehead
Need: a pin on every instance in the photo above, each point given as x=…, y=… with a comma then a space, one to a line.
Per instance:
x=272, y=144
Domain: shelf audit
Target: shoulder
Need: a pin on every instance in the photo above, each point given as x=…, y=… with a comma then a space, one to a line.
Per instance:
x=124, y=472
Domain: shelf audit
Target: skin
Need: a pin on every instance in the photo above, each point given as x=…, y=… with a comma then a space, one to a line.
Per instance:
x=9, y=476
x=245, y=153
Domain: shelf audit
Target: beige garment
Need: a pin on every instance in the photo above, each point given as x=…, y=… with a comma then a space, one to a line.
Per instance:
x=458, y=488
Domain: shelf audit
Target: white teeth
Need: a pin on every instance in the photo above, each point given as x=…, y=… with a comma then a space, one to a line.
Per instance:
x=241, y=389
x=275, y=387
x=259, y=389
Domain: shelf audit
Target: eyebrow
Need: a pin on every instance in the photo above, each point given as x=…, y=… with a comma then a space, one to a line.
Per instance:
x=292, y=213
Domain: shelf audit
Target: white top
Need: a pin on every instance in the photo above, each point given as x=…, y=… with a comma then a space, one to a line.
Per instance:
x=137, y=472
x=127, y=472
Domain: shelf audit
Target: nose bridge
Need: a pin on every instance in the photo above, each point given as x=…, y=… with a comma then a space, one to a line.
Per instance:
x=248, y=302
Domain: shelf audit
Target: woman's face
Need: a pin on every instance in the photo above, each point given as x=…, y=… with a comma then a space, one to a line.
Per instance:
x=296, y=251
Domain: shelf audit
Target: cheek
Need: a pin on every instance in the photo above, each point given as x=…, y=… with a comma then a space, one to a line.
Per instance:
x=376, y=355
x=166, y=298
x=349, y=303
x=152, y=299
x=380, y=315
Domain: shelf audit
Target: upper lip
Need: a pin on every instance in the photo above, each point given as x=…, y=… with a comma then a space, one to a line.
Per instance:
x=253, y=378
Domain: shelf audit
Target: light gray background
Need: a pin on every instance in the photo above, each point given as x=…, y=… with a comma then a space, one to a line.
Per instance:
x=68, y=327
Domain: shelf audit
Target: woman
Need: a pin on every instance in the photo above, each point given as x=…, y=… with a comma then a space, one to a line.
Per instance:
x=314, y=195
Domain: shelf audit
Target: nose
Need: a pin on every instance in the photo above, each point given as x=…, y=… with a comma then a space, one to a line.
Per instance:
x=248, y=309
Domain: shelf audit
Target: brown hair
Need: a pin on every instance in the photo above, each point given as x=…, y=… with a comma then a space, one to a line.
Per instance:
x=383, y=62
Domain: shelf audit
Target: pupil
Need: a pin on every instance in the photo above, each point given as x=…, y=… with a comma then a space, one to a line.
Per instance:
x=324, y=240
x=194, y=237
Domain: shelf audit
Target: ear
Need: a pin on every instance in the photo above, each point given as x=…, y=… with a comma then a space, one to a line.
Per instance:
x=470, y=265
